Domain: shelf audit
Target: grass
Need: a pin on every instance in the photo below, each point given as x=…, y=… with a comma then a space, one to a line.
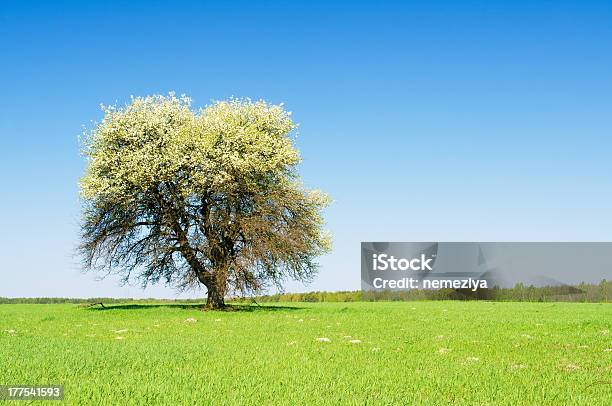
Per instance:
x=483, y=353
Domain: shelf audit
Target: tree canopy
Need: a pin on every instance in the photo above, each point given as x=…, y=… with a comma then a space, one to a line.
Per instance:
x=189, y=197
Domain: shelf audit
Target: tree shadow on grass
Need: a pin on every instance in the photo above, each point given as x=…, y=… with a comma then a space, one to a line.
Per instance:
x=192, y=306
x=258, y=308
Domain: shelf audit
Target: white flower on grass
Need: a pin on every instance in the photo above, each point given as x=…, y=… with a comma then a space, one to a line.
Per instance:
x=217, y=319
x=527, y=336
x=443, y=350
x=323, y=340
x=608, y=350
x=11, y=332
x=300, y=320
x=121, y=331
x=473, y=359
x=292, y=343
x=119, y=338
x=375, y=349
x=355, y=341
x=189, y=320
x=347, y=337
x=518, y=366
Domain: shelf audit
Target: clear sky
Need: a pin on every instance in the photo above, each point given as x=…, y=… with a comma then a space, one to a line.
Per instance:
x=425, y=121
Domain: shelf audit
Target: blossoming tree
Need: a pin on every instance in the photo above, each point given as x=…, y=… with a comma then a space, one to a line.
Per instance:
x=206, y=197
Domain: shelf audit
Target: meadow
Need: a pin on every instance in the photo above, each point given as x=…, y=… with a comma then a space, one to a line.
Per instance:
x=463, y=352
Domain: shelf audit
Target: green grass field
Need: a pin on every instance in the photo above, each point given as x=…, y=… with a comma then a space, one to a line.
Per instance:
x=378, y=353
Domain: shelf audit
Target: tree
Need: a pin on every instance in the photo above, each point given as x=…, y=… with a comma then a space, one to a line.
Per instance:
x=208, y=197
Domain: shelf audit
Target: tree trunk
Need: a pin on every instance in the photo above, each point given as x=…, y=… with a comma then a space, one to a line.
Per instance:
x=216, y=299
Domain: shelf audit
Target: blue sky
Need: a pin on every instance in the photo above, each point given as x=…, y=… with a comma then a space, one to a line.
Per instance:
x=425, y=121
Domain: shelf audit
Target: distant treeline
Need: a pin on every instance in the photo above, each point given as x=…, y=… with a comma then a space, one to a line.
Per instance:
x=105, y=300
x=584, y=292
